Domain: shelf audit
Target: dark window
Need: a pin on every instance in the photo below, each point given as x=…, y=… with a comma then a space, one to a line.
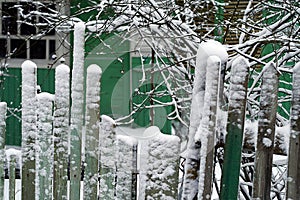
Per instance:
x=18, y=48
x=3, y=48
x=37, y=49
x=46, y=28
x=27, y=27
x=9, y=18
x=51, y=47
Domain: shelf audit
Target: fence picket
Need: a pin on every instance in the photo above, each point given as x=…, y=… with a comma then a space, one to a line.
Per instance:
x=206, y=131
x=126, y=167
x=235, y=128
x=3, y=108
x=92, y=132
x=108, y=158
x=29, y=129
x=45, y=143
x=61, y=132
x=77, y=111
x=162, y=167
x=12, y=177
x=293, y=179
x=266, y=133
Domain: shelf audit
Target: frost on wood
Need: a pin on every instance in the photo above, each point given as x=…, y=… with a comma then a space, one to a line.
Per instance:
x=205, y=134
x=206, y=49
x=29, y=129
x=77, y=113
x=61, y=131
x=162, y=168
x=126, y=167
x=235, y=128
x=266, y=133
x=92, y=119
x=293, y=181
x=108, y=158
x=45, y=145
x=3, y=107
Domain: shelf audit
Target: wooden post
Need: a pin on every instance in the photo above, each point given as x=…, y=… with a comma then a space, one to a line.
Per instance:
x=61, y=132
x=3, y=107
x=108, y=158
x=126, y=167
x=12, y=177
x=77, y=111
x=266, y=132
x=45, y=143
x=206, y=132
x=293, y=177
x=162, y=167
x=235, y=128
x=29, y=129
x=92, y=132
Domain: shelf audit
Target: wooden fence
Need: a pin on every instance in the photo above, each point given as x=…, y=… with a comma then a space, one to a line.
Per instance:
x=98, y=163
x=107, y=162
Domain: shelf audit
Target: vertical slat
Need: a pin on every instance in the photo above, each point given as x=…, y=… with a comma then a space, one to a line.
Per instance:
x=61, y=131
x=29, y=129
x=266, y=132
x=12, y=177
x=45, y=144
x=126, y=167
x=3, y=108
x=92, y=132
x=191, y=167
x=162, y=167
x=205, y=135
x=108, y=158
x=235, y=128
x=77, y=111
x=293, y=177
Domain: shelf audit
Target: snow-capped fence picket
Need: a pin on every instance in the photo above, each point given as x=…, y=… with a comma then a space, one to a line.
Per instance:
x=266, y=132
x=44, y=143
x=162, y=167
x=235, y=128
x=92, y=131
x=205, y=134
x=29, y=129
x=77, y=110
x=126, y=183
x=61, y=131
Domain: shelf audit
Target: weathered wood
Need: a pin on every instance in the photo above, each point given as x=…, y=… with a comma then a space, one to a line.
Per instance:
x=92, y=132
x=108, y=158
x=29, y=129
x=206, y=132
x=266, y=133
x=12, y=177
x=235, y=127
x=293, y=177
x=126, y=167
x=77, y=111
x=45, y=144
x=162, y=167
x=3, y=108
x=61, y=132
x=191, y=168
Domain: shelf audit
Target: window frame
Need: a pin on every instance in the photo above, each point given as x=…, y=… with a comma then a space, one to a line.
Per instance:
x=26, y=38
